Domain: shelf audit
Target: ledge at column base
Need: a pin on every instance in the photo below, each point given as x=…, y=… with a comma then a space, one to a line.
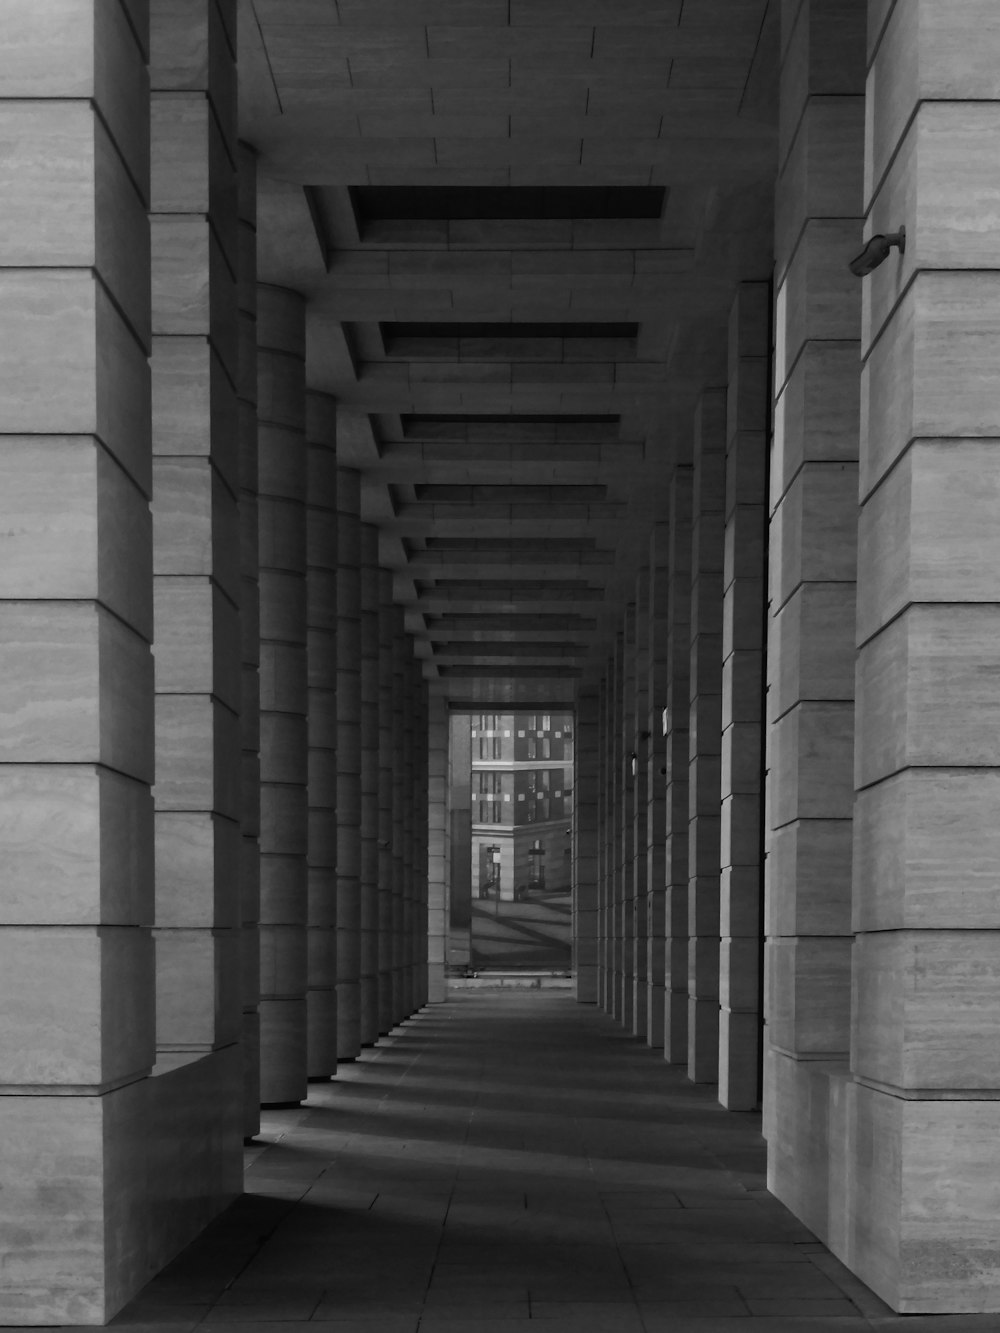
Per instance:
x=114, y=1186
x=902, y=1191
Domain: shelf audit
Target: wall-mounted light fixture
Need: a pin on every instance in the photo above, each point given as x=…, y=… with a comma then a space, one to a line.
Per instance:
x=877, y=252
x=635, y=764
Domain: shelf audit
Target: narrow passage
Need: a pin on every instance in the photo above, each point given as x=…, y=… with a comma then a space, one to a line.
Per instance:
x=509, y=1157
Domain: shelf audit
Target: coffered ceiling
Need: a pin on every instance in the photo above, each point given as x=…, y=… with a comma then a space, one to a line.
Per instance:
x=519, y=224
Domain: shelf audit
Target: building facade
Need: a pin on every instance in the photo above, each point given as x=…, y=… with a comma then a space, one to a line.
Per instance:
x=368, y=363
x=522, y=804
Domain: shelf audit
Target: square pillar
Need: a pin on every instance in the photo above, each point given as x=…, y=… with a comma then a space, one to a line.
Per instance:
x=321, y=664
x=586, y=836
x=640, y=813
x=657, y=605
x=676, y=754
x=811, y=629
x=705, y=735
x=284, y=700
x=348, y=764
x=740, y=957
x=925, y=1019
x=76, y=730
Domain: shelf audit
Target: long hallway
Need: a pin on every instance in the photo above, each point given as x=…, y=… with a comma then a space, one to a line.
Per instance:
x=504, y=1157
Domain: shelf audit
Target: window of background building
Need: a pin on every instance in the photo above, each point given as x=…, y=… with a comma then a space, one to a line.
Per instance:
x=488, y=797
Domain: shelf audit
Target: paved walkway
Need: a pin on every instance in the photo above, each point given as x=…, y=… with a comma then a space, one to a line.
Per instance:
x=509, y=1157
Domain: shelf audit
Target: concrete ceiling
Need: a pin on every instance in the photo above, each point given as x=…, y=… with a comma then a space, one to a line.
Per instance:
x=519, y=224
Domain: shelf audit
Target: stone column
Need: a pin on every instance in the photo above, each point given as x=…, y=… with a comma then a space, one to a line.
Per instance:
x=249, y=865
x=640, y=790
x=399, y=797
x=586, y=837
x=705, y=737
x=923, y=1226
x=655, y=759
x=438, y=910
x=348, y=764
x=811, y=633
x=194, y=238
x=321, y=618
x=740, y=960
x=76, y=730
x=626, y=820
x=409, y=814
x=421, y=795
x=283, y=692
x=368, y=971
x=604, y=877
x=616, y=766
x=676, y=744
x=385, y=764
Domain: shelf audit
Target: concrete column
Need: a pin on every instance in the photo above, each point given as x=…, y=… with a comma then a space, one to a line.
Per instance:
x=76, y=730
x=586, y=836
x=368, y=971
x=385, y=762
x=811, y=632
x=640, y=790
x=348, y=764
x=655, y=758
x=284, y=754
x=676, y=745
x=196, y=566
x=399, y=797
x=321, y=620
x=705, y=736
x=747, y=416
x=923, y=1228
x=249, y=864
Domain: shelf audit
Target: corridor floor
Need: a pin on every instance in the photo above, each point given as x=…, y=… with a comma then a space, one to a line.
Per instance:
x=509, y=1157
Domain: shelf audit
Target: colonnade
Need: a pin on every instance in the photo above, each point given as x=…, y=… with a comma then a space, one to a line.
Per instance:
x=213, y=795
x=817, y=625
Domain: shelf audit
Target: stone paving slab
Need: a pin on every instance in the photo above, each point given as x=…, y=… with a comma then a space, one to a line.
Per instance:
x=501, y=1160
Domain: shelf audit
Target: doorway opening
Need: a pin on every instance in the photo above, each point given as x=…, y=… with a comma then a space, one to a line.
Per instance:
x=511, y=780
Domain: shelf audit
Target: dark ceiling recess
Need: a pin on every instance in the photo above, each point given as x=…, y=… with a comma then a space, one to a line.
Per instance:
x=499, y=493
x=560, y=672
x=537, y=545
x=461, y=203
x=533, y=649
x=523, y=426
x=394, y=332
